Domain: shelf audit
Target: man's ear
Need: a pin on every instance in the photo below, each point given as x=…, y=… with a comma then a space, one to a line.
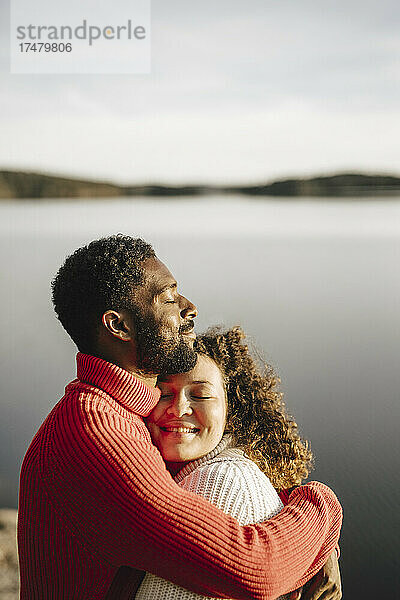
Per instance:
x=118, y=324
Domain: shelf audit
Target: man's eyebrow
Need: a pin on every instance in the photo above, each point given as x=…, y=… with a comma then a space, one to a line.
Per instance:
x=169, y=286
x=205, y=381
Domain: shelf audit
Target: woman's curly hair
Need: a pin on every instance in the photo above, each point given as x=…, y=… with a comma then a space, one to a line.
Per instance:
x=256, y=416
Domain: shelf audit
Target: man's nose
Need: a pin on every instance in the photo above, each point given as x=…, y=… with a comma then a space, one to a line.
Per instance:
x=181, y=405
x=188, y=309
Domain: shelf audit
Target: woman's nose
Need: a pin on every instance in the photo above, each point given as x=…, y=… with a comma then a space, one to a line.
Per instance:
x=180, y=406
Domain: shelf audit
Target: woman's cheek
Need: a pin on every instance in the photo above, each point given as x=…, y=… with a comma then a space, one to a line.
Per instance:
x=216, y=418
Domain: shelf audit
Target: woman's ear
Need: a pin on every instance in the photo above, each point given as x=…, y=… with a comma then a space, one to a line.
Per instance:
x=118, y=324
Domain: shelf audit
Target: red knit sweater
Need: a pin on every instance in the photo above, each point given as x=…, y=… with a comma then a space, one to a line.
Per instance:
x=97, y=505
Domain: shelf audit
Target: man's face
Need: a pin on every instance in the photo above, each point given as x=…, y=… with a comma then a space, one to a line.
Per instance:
x=163, y=323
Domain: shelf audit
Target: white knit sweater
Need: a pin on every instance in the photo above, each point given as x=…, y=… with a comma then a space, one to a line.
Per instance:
x=237, y=486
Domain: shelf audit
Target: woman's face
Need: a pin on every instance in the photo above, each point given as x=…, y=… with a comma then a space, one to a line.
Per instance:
x=189, y=420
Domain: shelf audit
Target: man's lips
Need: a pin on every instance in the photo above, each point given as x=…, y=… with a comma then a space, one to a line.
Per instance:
x=190, y=334
x=188, y=330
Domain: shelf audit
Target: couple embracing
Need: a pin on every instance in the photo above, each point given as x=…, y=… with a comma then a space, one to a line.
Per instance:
x=157, y=475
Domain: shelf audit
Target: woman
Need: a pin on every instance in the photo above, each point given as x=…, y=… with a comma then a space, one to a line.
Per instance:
x=223, y=433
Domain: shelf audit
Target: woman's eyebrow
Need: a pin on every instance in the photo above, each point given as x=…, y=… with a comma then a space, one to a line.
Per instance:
x=209, y=382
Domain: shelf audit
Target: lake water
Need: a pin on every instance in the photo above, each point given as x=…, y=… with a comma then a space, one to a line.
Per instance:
x=315, y=283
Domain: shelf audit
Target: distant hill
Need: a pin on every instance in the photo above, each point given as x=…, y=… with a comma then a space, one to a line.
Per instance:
x=18, y=185
x=342, y=185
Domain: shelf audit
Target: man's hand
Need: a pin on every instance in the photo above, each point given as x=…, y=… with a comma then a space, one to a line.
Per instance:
x=325, y=585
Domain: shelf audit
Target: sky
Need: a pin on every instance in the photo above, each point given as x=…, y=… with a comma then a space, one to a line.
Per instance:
x=239, y=92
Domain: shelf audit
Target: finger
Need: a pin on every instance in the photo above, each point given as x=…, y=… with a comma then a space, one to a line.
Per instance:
x=296, y=595
x=316, y=588
x=331, y=594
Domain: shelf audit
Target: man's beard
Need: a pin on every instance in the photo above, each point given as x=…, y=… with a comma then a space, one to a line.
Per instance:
x=161, y=351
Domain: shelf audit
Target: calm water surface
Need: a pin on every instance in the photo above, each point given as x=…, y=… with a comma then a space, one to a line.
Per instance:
x=315, y=284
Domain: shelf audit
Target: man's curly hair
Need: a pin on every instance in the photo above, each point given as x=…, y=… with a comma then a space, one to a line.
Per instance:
x=98, y=277
x=256, y=416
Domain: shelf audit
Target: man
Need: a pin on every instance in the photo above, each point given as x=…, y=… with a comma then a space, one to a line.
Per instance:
x=97, y=505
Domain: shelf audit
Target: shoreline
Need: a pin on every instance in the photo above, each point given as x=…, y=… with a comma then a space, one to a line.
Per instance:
x=9, y=576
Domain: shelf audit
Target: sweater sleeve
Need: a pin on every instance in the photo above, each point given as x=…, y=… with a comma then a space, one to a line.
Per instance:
x=238, y=488
x=109, y=485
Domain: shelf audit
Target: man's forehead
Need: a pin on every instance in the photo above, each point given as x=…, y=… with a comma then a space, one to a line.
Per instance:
x=158, y=275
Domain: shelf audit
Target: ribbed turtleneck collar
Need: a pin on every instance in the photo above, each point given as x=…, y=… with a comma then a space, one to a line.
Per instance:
x=192, y=465
x=124, y=387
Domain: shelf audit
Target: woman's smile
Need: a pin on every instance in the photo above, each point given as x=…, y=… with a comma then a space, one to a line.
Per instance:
x=176, y=428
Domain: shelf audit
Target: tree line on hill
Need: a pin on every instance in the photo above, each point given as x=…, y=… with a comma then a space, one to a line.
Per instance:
x=19, y=185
